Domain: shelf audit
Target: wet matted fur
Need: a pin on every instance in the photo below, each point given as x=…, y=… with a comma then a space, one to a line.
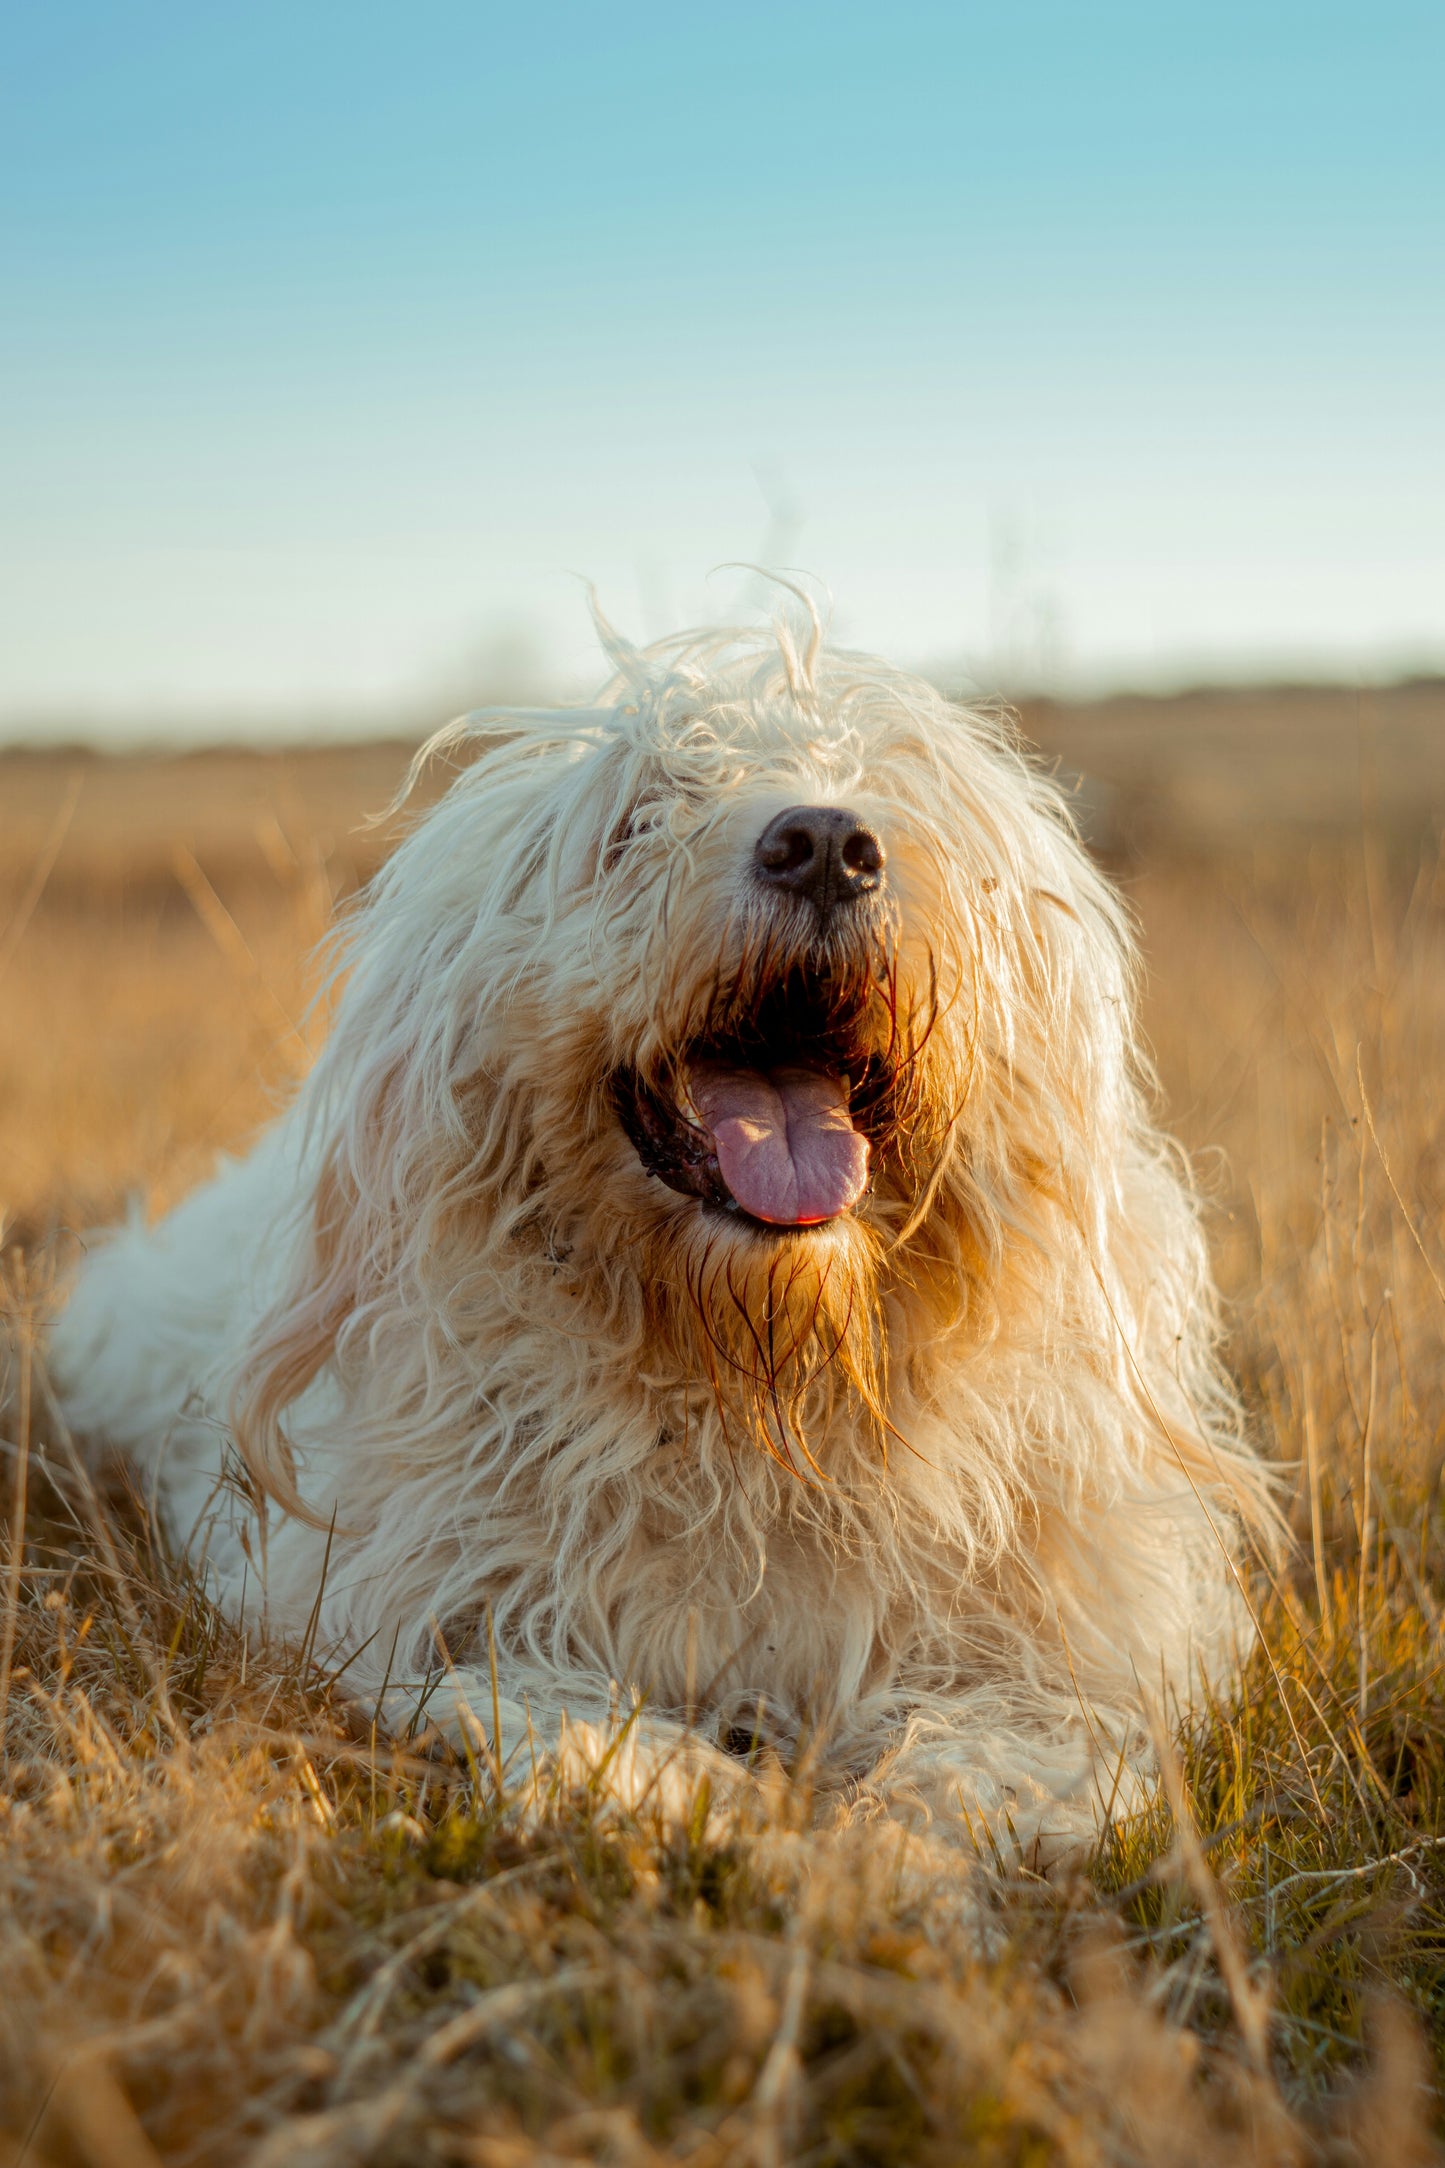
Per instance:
x=947, y=1479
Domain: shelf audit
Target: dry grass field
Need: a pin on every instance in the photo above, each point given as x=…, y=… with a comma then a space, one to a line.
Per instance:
x=237, y=1927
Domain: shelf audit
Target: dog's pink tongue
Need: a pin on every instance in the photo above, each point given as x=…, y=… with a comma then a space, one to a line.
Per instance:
x=785, y=1145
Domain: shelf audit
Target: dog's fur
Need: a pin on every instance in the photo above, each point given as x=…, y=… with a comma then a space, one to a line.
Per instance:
x=953, y=1483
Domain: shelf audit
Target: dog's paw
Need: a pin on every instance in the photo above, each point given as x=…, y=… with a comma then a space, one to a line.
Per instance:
x=632, y=1762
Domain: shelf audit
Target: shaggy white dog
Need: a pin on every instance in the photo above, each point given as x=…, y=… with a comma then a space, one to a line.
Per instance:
x=723, y=1259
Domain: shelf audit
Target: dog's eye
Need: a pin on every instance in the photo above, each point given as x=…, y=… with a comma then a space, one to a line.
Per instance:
x=670, y=815
x=619, y=836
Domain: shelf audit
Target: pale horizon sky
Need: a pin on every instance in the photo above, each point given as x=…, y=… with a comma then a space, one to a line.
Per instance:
x=1090, y=347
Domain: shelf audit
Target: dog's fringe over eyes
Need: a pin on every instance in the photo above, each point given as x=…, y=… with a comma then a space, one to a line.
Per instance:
x=658, y=1238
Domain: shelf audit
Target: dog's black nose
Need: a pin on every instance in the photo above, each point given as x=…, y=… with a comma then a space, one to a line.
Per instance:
x=822, y=852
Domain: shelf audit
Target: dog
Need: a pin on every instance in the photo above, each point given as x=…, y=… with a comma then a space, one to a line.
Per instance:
x=722, y=1269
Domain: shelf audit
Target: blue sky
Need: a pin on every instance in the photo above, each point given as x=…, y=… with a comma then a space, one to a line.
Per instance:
x=1091, y=345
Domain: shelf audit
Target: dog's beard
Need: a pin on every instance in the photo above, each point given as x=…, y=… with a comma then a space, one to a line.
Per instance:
x=779, y=1312
x=781, y=1328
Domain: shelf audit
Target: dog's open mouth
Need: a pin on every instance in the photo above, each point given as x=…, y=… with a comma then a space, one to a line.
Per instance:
x=784, y=1142
x=775, y=1115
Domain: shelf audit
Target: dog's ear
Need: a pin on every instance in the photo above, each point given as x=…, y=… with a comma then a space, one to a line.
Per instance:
x=297, y=1338
x=1060, y=1197
x=1028, y=1098
x=381, y=1154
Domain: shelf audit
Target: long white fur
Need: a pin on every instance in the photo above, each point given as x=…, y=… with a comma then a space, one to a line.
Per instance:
x=504, y=1377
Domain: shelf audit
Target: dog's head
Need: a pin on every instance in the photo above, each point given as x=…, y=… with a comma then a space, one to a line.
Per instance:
x=748, y=1011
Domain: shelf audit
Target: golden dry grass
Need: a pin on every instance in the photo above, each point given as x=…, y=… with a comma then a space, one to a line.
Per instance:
x=235, y=1927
